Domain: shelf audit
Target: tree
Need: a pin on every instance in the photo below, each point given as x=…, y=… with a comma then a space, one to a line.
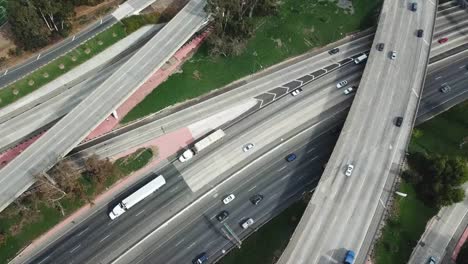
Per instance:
x=438, y=178
x=99, y=169
x=462, y=257
x=233, y=24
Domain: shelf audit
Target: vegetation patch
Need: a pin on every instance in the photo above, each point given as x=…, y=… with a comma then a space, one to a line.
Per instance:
x=403, y=228
x=297, y=26
x=267, y=244
x=135, y=161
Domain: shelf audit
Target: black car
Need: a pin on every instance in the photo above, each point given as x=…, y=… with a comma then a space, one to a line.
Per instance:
x=334, y=51
x=256, y=199
x=399, y=121
x=200, y=259
x=222, y=216
x=380, y=46
x=414, y=7
x=420, y=33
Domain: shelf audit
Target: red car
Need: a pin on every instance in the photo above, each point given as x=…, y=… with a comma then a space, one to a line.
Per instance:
x=443, y=40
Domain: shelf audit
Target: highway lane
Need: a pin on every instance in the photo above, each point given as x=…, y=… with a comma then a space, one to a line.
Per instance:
x=77, y=124
x=342, y=208
x=122, y=229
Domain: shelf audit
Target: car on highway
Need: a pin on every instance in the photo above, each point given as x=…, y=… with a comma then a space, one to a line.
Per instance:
x=420, y=33
x=431, y=260
x=291, y=157
x=247, y=222
x=200, y=259
x=256, y=199
x=334, y=51
x=393, y=55
x=349, y=257
x=341, y=84
x=349, y=170
x=398, y=121
x=222, y=215
x=248, y=147
x=414, y=6
x=445, y=88
x=229, y=198
x=380, y=46
x=442, y=40
x=296, y=92
x=350, y=90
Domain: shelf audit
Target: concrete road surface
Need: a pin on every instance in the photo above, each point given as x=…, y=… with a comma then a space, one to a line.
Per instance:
x=342, y=208
x=76, y=125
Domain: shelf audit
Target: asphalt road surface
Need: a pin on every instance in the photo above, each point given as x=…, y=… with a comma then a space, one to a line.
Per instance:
x=342, y=208
x=151, y=213
x=76, y=125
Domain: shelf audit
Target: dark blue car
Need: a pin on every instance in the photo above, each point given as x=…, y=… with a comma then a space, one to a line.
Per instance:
x=202, y=258
x=291, y=157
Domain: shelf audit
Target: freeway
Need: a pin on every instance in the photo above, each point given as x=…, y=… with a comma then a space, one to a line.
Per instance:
x=39, y=60
x=152, y=213
x=43, y=115
x=340, y=214
x=79, y=122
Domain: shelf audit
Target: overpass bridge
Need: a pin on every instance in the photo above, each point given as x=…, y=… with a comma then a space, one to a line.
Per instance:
x=345, y=211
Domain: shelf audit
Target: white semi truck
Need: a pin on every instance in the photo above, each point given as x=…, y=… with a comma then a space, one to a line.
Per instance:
x=202, y=144
x=137, y=196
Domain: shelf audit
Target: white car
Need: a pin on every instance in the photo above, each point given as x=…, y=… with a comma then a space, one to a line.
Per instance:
x=393, y=56
x=229, y=198
x=349, y=170
x=349, y=90
x=248, y=147
x=296, y=92
x=247, y=223
x=341, y=84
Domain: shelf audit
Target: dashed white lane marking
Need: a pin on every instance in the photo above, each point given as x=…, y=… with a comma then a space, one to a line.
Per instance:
x=191, y=245
x=310, y=150
x=104, y=238
x=252, y=188
x=139, y=213
x=79, y=234
x=282, y=168
x=438, y=77
x=180, y=242
x=75, y=248
x=415, y=93
x=43, y=260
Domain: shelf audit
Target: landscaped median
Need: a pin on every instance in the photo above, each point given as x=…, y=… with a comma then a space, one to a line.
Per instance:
x=77, y=56
x=37, y=211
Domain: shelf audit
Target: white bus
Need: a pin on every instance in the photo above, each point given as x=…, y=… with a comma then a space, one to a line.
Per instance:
x=137, y=196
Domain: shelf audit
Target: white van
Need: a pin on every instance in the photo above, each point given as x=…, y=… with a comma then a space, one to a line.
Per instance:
x=360, y=59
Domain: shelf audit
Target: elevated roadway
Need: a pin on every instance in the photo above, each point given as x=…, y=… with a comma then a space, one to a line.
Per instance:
x=340, y=214
x=18, y=175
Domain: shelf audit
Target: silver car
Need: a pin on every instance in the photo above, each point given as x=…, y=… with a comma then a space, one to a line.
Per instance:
x=341, y=84
x=247, y=223
x=248, y=147
x=349, y=170
x=393, y=55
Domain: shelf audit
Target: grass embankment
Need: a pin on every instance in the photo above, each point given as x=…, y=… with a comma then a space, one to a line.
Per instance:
x=440, y=135
x=267, y=244
x=18, y=230
x=299, y=26
x=77, y=56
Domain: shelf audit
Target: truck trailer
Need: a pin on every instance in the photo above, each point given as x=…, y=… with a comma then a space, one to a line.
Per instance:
x=137, y=196
x=202, y=144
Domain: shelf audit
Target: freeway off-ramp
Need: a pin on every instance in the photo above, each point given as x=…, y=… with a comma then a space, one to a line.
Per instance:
x=76, y=125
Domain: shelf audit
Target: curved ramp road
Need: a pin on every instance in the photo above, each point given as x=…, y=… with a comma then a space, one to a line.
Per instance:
x=17, y=176
x=340, y=214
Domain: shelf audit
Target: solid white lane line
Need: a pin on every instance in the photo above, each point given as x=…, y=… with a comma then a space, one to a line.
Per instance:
x=75, y=248
x=104, y=238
